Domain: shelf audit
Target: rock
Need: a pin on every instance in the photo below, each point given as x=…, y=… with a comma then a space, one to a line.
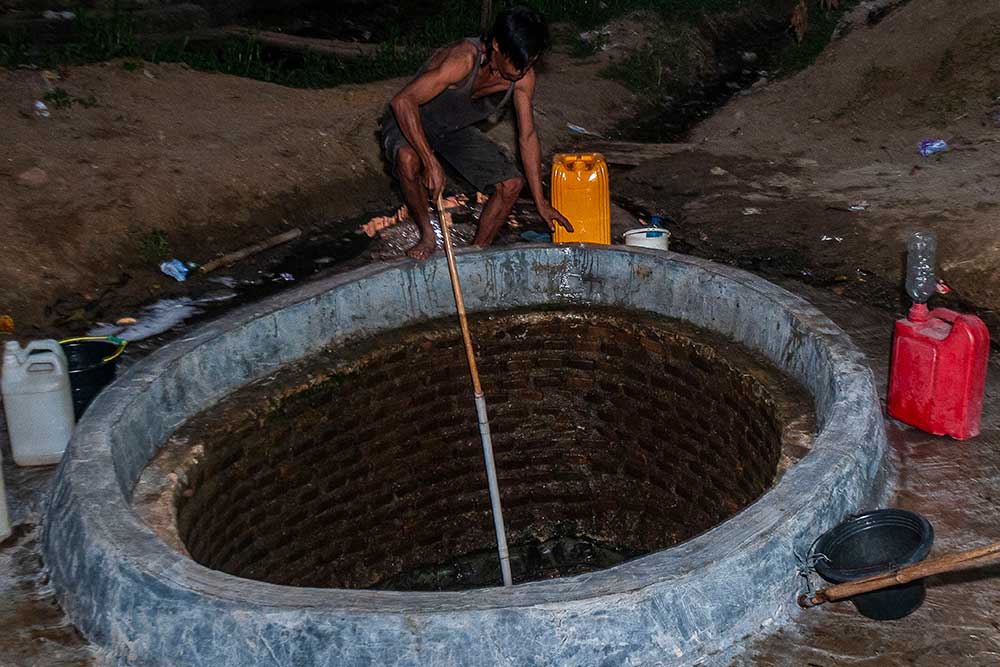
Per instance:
x=718, y=171
x=33, y=178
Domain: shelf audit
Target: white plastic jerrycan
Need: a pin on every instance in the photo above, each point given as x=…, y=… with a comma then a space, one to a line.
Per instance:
x=37, y=401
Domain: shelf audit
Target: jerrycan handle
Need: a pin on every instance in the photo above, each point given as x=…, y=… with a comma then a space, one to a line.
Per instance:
x=39, y=354
x=46, y=361
x=949, y=316
x=46, y=345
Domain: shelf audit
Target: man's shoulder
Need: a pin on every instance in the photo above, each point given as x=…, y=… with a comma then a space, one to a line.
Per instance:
x=465, y=49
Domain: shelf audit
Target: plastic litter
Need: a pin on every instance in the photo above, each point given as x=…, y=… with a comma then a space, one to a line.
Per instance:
x=942, y=287
x=176, y=269
x=536, y=237
x=41, y=109
x=718, y=171
x=859, y=206
x=576, y=129
x=929, y=147
x=752, y=210
x=838, y=239
x=286, y=277
x=921, y=248
x=6, y=324
x=125, y=321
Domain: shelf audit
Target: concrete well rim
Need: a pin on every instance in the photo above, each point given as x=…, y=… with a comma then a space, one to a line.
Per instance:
x=117, y=532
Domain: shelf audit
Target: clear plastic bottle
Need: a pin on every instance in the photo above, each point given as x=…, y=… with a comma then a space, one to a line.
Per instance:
x=921, y=248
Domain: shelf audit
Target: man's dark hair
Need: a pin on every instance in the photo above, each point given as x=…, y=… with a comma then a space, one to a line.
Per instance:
x=522, y=35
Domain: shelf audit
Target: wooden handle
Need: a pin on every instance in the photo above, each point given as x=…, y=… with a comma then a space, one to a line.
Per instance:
x=962, y=560
x=249, y=250
x=445, y=218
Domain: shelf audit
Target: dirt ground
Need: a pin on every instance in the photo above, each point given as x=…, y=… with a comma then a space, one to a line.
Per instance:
x=847, y=130
x=211, y=161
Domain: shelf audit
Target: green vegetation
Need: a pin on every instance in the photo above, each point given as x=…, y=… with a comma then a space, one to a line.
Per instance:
x=60, y=99
x=247, y=57
x=104, y=37
x=665, y=67
x=660, y=70
x=668, y=66
x=153, y=247
x=821, y=25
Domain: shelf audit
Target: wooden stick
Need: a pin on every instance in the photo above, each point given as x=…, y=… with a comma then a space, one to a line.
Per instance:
x=237, y=255
x=445, y=218
x=962, y=560
x=480, y=400
x=333, y=47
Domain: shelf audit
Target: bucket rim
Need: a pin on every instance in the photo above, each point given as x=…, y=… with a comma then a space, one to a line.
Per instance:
x=857, y=523
x=118, y=343
x=645, y=230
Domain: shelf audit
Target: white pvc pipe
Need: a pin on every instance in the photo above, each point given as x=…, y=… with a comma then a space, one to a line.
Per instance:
x=491, y=479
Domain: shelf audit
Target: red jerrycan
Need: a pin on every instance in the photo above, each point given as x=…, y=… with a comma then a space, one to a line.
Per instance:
x=939, y=371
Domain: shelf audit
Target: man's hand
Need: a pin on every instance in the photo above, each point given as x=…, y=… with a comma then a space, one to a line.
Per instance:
x=433, y=177
x=552, y=216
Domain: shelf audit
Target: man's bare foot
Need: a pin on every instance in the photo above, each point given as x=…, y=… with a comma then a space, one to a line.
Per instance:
x=424, y=249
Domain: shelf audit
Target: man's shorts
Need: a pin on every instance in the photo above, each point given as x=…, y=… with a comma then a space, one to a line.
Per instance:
x=479, y=160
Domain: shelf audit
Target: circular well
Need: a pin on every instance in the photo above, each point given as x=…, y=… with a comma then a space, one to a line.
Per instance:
x=146, y=602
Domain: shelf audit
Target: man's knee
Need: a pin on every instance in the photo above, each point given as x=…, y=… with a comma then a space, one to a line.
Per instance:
x=510, y=188
x=407, y=164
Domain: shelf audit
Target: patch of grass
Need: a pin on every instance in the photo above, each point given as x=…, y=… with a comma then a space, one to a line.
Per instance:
x=153, y=247
x=821, y=25
x=14, y=49
x=665, y=67
x=105, y=37
x=60, y=99
x=247, y=57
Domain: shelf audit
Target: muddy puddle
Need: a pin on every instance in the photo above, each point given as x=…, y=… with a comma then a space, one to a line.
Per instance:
x=343, y=247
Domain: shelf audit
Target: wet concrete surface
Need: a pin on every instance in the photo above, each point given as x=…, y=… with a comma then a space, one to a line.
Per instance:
x=956, y=485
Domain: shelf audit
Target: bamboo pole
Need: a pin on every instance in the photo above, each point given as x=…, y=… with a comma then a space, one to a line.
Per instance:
x=237, y=255
x=962, y=560
x=484, y=424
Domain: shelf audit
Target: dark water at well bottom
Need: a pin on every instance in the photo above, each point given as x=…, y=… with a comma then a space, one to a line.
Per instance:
x=558, y=557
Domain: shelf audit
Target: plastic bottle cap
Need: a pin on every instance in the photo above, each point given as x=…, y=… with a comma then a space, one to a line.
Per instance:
x=918, y=313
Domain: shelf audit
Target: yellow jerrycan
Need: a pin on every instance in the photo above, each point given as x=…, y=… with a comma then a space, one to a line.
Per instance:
x=580, y=192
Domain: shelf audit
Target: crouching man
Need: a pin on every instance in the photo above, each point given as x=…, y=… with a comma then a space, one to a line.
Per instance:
x=434, y=116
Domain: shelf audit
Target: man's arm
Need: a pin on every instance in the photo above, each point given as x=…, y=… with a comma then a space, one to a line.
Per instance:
x=531, y=153
x=454, y=66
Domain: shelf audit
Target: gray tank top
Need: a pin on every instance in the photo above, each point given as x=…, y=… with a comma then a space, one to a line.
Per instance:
x=454, y=108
